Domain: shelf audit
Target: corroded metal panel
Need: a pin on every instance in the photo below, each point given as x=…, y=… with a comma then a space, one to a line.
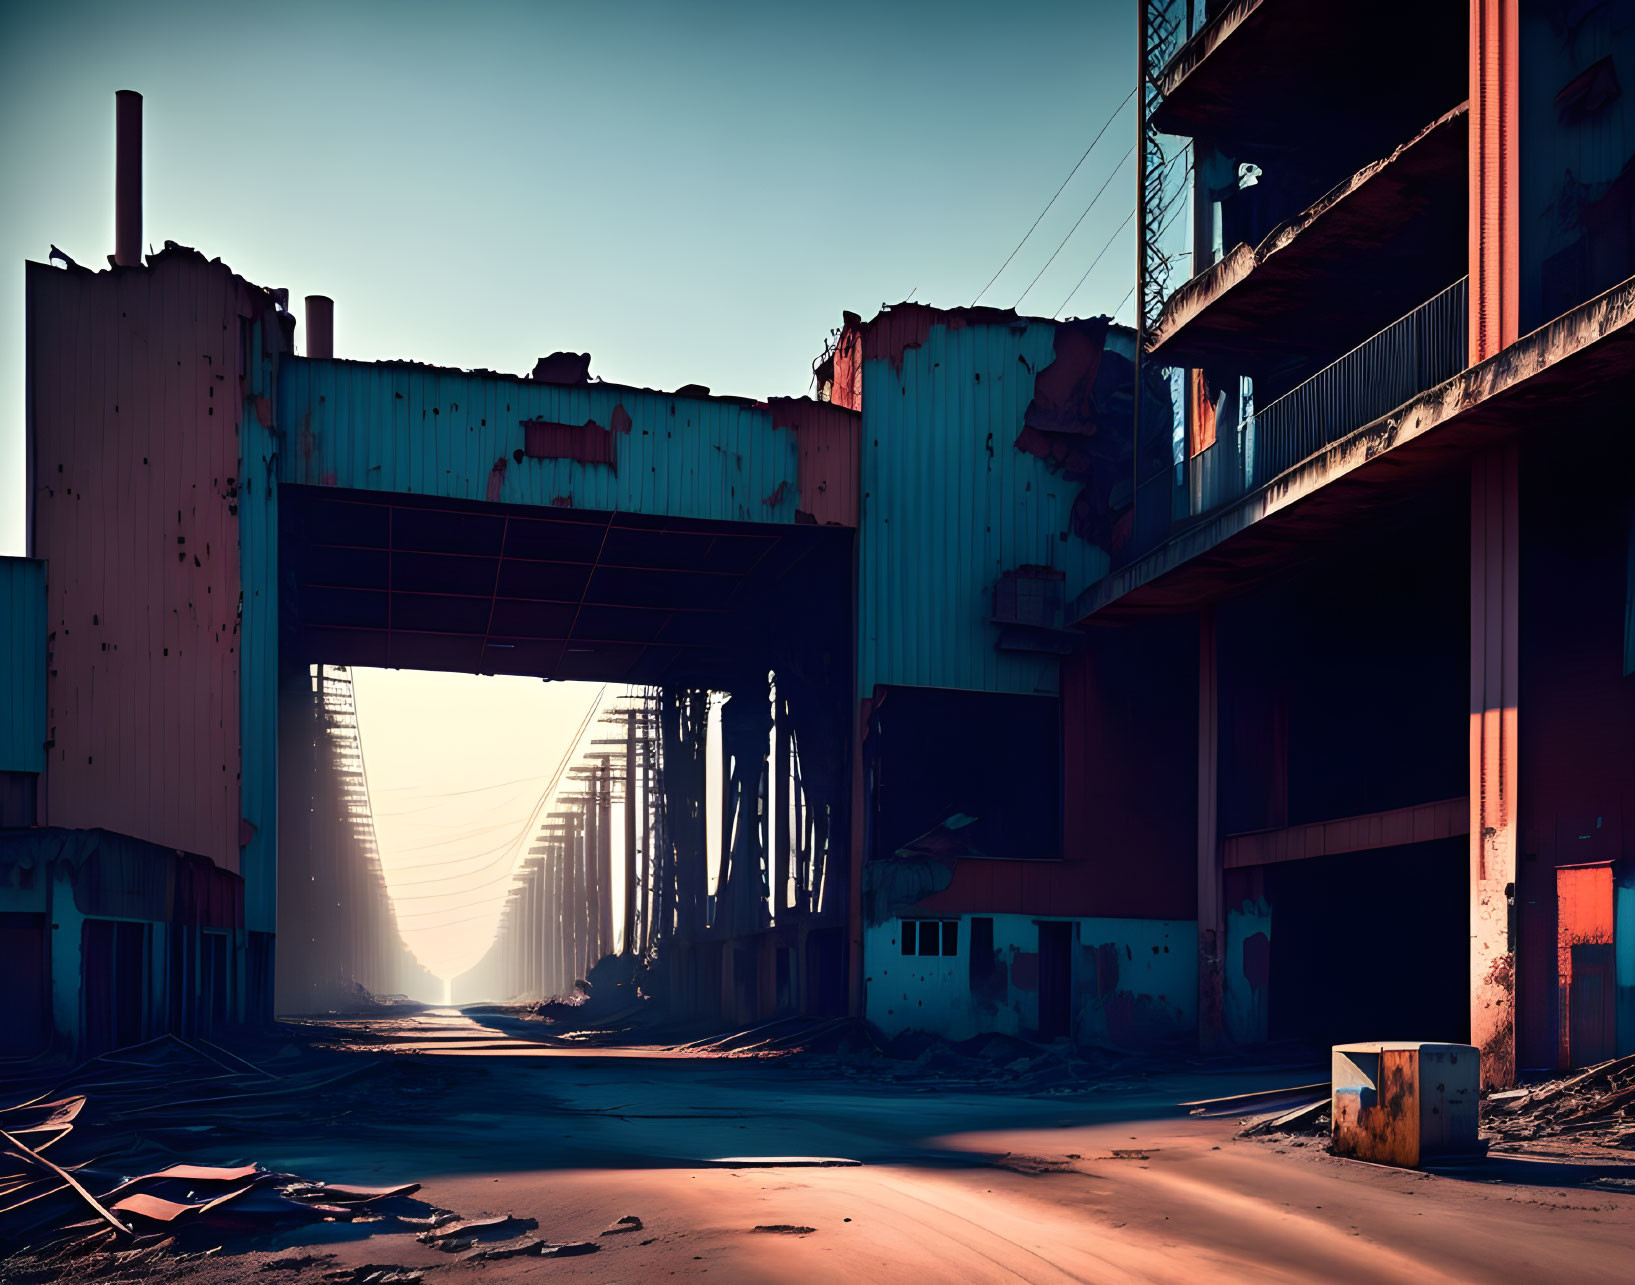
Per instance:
x=1402, y=1102
x=134, y=399
x=1375, y=1108
x=422, y=430
x=22, y=665
x=258, y=629
x=1585, y=965
x=953, y=496
x=827, y=437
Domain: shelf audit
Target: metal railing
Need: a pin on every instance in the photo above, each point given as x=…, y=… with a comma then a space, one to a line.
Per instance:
x=1412, y=354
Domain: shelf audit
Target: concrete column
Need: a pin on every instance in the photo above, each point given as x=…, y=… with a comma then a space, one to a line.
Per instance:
x=1494, y=177
x=1211, y=899
x=1494, y=630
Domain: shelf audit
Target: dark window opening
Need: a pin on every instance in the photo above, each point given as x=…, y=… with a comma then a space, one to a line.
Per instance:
x=1055, y=979
x=965, y=774
x=932, y=936
x=982, y=954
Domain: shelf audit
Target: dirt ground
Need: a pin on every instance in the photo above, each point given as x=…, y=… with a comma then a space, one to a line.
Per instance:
x=715, y=1157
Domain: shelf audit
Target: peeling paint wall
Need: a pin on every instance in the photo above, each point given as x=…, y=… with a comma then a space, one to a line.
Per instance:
x=1134, y=981
x=1247, y=970
x=421, y=430
x=72, y=878
x=950, y=502
x=134, y=401
x=259, y=448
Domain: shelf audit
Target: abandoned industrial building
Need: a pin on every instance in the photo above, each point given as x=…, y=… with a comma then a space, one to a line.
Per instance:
x=1258, y=672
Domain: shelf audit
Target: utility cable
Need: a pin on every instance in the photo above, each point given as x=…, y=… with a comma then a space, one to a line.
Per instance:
x=1062, y=307
x=452, y=794
x=528, y=826
x=1070, y=231
x=1052, y=200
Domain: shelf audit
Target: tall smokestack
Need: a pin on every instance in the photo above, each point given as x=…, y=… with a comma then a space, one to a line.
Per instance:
x=320, y=326
x=128, y=179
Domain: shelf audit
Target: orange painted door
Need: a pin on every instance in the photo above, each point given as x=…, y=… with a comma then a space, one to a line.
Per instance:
x=1585, y=967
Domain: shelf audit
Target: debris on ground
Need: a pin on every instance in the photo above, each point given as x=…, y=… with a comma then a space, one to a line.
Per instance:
x=786, y=1229
x=463, y=1233
x=1300, y=1110
x=988, y=1063
x=1594, y=1107
x=616, y=995
x=82, y=1169
x=90, y=1186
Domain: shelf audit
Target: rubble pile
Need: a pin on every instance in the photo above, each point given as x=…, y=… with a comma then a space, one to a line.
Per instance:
x=1595, y=1107
x=993, y=1063
x=615, y=996
x=86, y=1171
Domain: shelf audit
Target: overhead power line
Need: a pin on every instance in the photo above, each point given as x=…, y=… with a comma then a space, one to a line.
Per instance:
x=1063, y=306
x=1052, y=201
x=1070, y=231
x=521, y=836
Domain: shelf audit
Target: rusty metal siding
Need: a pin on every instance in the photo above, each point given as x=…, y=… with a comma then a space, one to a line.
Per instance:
x=427, y=431
x=22, y=665
x=949, y=503
x=258, y=632
x=133, y=377
x=827, y=436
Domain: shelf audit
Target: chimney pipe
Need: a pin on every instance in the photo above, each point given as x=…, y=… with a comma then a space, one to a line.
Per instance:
x=320, y=326
x=128, y=179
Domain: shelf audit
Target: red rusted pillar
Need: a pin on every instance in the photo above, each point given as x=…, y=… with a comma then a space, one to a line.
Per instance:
x=1494, y=670
x=1211, y=901
x=128, y=178
x=1494, y=177
x=320, y=326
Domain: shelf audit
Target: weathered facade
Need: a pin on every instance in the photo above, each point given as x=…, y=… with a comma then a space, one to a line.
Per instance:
x=995, y=449
x=1038, y=676
x=1376, y=518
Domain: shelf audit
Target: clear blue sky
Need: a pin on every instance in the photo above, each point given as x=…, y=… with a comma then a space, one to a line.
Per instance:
x=690, y=192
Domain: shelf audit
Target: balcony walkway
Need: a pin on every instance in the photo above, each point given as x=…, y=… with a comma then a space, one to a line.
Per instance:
x=1579, y=366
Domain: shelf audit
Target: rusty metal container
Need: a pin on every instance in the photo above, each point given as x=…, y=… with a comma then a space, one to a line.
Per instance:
x=1401, y=1102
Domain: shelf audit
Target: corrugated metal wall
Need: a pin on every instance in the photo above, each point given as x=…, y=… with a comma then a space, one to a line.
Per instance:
x=22, y=665
x=949, y=504
x=827, y=436
x=134, y=407
x=258, y=631
x=427, y=431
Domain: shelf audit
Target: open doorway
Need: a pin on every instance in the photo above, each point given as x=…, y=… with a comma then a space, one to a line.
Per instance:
x=455, y=829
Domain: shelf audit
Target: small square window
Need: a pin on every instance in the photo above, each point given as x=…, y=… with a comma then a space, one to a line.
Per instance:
x=930, y=937
x=908, y=936
x=950, y=937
